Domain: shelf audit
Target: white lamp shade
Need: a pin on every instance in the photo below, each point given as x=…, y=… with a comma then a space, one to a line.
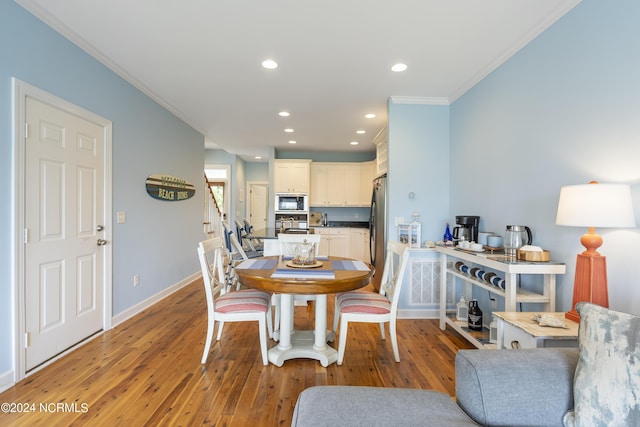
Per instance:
x=596, y=205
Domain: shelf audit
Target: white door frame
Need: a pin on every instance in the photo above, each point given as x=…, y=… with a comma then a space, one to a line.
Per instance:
x=227, y=186
x=21, y=91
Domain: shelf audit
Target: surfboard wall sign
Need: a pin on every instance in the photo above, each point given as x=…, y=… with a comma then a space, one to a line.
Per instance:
x=169, y=188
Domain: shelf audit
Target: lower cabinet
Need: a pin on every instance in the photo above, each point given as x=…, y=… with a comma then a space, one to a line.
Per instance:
x=360, y=244
x=334, y=242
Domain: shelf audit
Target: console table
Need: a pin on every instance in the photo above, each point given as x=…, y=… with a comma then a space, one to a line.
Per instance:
x=503, y=265
x=519, y=330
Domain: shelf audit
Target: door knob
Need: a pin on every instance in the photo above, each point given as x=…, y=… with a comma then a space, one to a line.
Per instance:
x=101, y=242
x=100, y=228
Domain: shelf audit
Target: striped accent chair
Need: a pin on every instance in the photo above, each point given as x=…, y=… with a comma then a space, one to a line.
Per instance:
x=374, y=307
x=226, y=306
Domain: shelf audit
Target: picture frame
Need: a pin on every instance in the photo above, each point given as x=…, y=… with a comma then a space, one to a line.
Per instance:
x=404, y=233
x=415, y=232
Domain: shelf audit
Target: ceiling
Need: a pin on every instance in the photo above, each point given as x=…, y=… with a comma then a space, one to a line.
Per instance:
x=201, y=59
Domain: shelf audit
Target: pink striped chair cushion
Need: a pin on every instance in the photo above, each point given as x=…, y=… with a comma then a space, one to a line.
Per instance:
x=244, y=300
x=363, y=302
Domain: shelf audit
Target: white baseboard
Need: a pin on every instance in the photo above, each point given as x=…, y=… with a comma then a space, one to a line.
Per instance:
x=406, y=313
x=6, y=380
x=143, y=305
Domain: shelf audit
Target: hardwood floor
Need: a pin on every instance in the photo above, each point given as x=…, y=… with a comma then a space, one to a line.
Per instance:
x=147, y=371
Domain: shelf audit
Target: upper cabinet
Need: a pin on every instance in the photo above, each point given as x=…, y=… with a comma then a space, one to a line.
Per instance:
x=291, y=176
x=340, y=184
x=382, y=152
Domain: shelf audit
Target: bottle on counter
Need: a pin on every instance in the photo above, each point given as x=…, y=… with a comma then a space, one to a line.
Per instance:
x=447, y=235
x=475, y=316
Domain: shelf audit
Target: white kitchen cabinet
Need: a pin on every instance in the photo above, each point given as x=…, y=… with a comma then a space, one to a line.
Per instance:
x=359, y=244
x=367, y=173
x=318, y=195
x=334, y=242
x=382, y=152
x=291, y=176
x=336, y=184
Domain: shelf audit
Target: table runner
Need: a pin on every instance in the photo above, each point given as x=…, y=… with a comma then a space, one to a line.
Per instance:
x=302, y=273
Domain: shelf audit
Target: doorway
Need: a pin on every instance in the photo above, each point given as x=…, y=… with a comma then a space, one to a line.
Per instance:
x=258, y=206
x=63, y=226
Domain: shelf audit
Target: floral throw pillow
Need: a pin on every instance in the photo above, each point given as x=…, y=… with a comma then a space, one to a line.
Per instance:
x=606, y=387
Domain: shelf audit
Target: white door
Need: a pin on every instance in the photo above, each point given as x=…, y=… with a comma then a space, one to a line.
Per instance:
x=258, y=205
x=64, y=228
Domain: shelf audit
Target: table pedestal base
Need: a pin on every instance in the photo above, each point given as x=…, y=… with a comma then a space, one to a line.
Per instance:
x=302, y=346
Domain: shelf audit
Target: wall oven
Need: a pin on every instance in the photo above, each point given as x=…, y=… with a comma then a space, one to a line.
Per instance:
x=291, y=203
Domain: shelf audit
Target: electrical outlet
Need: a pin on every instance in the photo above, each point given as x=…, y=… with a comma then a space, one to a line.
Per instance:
x=136, y=279
x=399, y=220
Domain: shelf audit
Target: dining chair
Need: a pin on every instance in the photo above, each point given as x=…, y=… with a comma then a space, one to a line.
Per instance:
x=236, y=254
x=256, y=244
x=225, y=306
x=286, y=247
x=242, y=234
x=374, y=307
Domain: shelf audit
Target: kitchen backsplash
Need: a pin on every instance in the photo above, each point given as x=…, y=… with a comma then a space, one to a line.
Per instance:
x=344, y=214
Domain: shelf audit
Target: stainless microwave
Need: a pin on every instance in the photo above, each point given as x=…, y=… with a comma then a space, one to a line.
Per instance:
x=290, y=203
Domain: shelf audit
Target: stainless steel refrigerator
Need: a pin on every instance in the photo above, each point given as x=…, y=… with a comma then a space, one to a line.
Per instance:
x=378, y=228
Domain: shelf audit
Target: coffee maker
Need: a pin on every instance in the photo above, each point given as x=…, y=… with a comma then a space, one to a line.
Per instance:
x=466, y=228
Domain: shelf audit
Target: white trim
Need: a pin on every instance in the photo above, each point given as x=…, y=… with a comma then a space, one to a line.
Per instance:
x=563, y=9
x=58, y=26
x=405, y=313
x=143, y=305
x=247, y=208
x=22, y=90
x=419, y=100
x=6, y=380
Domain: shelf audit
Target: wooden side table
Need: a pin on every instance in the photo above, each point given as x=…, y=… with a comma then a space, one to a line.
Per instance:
x=518, y=330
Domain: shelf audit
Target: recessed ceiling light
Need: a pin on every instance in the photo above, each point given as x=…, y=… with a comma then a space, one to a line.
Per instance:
x=269, y=64
x=354, y=142
x=292, y=142
x=361, y=131
x=288, y=130
x=258, y=157
x=398, y=68
x=370, y=116
x=284, y=114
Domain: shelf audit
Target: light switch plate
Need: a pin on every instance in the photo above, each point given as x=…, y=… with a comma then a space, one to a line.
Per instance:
x=399, y=220
x=122, y=217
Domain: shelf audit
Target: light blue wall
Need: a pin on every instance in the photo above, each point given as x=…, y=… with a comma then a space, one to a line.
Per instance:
x=159, y=239
x=257, y=171
x=564, y=110
x=419, y=164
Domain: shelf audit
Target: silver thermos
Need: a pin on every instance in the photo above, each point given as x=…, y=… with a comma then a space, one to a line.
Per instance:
x=325, y=222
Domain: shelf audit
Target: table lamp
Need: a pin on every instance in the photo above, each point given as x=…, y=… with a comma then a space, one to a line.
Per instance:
x=593, y=205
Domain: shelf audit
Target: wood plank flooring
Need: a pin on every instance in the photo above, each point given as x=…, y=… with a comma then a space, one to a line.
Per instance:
x=147, y=371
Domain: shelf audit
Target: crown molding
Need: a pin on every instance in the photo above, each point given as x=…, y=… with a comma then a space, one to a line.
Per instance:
x=426, y=100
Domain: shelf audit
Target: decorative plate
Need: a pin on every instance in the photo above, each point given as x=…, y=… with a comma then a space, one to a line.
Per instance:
x=294, y=265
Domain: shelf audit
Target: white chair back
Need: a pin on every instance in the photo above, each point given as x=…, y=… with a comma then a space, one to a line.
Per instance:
x=393, y=275
x=210, y=254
